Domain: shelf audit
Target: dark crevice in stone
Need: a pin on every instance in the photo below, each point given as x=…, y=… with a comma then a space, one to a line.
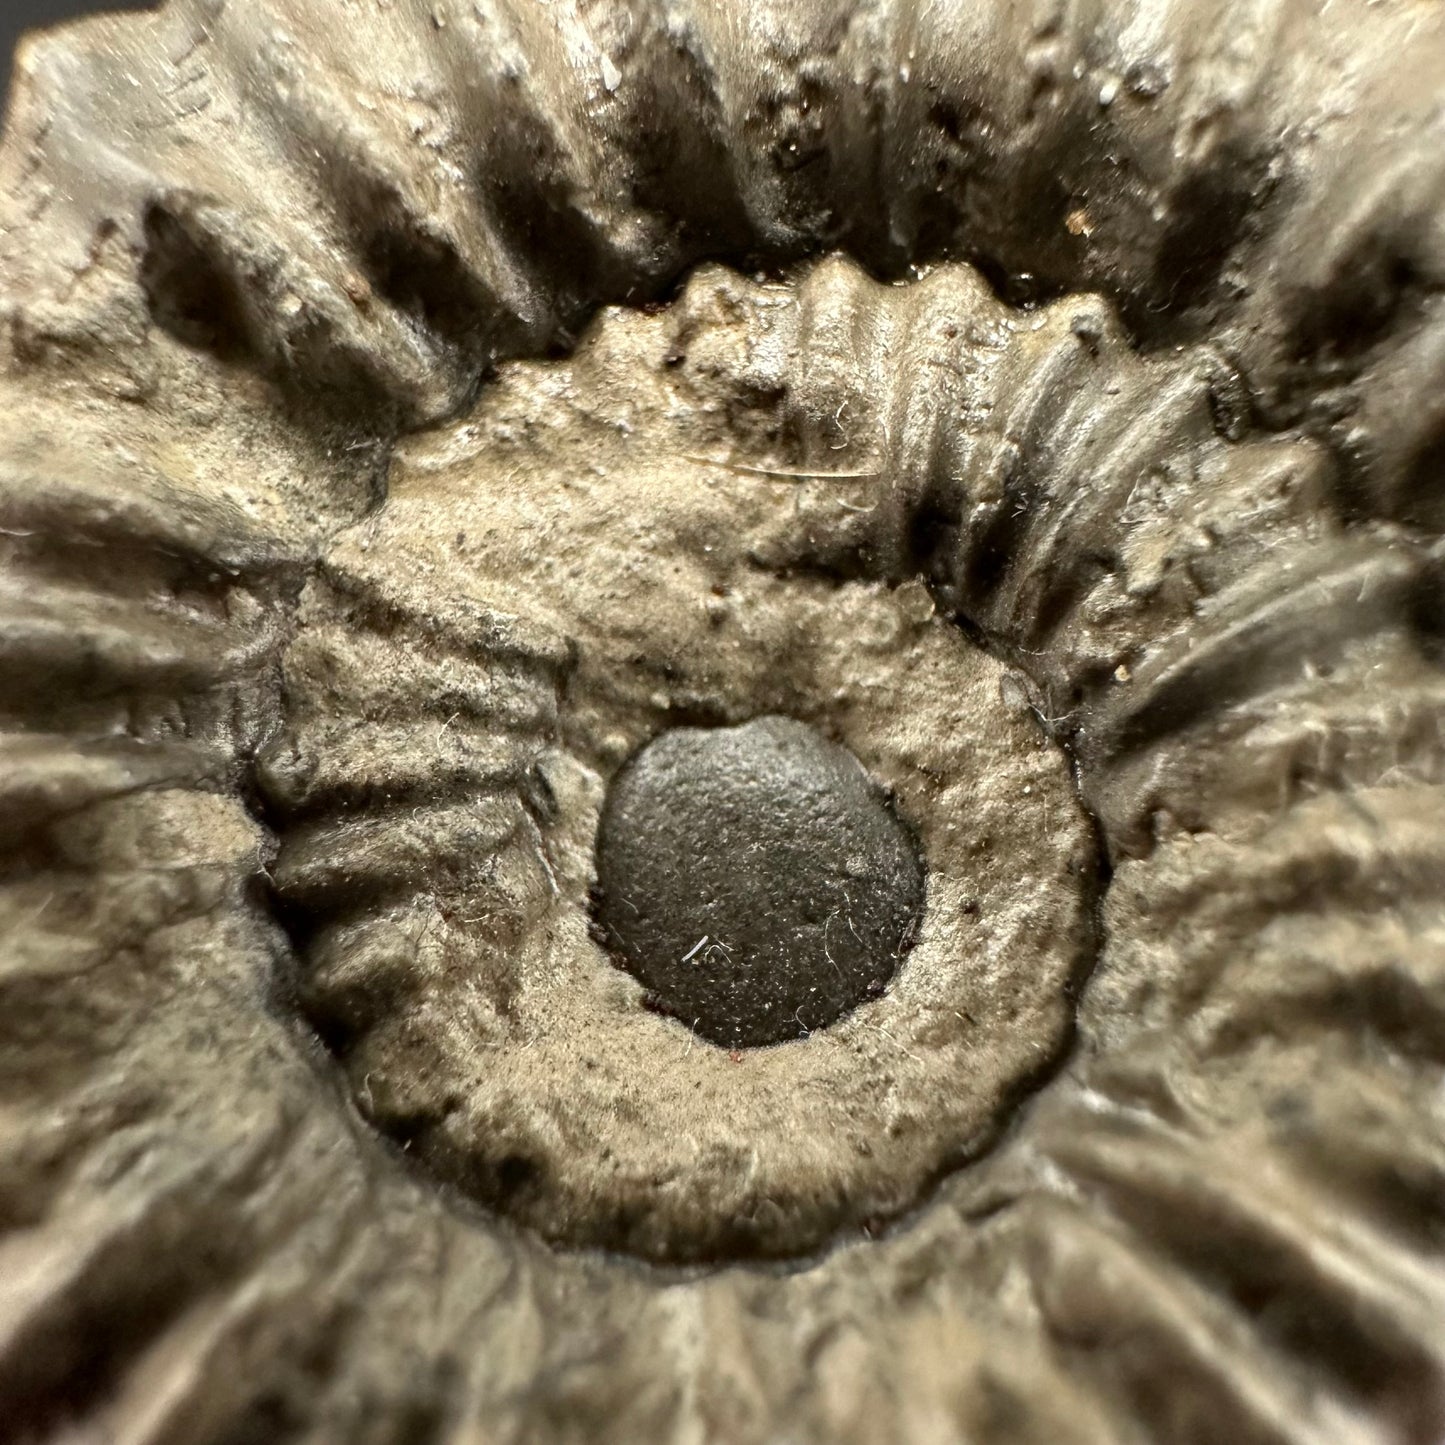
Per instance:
x=424, y=279
x=1426, y=607
x=932, y=543
x=1424, y=487
x=1214, y=211
x=189, y=293
x=1341, y=323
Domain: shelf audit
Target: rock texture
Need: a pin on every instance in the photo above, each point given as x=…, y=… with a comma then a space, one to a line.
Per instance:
x=350, y=546
x=437, y=789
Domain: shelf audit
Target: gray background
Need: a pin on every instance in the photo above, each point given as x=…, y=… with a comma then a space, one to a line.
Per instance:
x=20, y=15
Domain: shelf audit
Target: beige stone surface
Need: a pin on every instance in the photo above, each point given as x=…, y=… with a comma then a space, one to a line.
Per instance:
x=408, y=408
x=602, y=508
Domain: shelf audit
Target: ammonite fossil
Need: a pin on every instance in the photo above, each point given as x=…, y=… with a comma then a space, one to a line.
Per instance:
x=724, y=722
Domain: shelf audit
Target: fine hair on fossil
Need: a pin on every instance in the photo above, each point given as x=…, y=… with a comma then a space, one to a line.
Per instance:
x=1032, y=417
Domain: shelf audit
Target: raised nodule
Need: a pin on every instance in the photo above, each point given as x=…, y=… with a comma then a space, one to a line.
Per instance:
x=755, y=879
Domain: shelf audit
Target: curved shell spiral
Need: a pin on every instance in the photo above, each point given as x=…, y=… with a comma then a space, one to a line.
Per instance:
x=1120, y=335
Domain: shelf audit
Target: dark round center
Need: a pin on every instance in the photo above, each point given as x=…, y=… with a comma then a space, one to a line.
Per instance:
x=755, y=879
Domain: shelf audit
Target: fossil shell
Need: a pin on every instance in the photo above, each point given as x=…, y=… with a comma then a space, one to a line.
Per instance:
x=369, y=416
x=437, y=800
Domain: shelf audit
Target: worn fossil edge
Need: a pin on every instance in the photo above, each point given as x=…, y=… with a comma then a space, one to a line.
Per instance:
x=243, y=246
